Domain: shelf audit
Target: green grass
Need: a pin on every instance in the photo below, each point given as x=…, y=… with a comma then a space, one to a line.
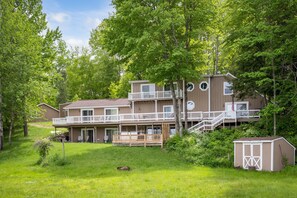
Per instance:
x=155, y=173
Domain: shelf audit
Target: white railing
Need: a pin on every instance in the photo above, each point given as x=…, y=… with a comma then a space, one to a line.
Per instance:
x=151, y=95
x=208, y=117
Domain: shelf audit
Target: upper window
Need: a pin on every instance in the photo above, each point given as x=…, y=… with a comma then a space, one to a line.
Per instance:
x=228, y=88
x=190, y=86
x=190, y=105
x=147, y=90
x=203, y=86
x=87, y=112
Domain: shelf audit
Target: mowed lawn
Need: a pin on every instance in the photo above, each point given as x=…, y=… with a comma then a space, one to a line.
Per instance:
x=155, y=173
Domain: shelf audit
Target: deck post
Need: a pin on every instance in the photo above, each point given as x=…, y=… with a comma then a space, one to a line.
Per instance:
x=71, y=134
x=130, y=139
x=144, y=139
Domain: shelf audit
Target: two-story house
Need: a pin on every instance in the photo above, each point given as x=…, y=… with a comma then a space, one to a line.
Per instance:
x=148, y=111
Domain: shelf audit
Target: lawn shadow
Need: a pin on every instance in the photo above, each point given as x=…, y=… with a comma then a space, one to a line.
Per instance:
x=102, y=161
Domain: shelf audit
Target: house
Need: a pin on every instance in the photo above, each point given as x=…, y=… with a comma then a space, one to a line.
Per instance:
x=47, y=113
x=148, y=112
x=263, y=153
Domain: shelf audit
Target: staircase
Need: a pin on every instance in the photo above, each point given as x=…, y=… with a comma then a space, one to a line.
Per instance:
x=208, y=125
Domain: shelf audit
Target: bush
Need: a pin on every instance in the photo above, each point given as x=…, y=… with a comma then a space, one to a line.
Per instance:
x=57, y=160
x=43, y=148
x=213, y=149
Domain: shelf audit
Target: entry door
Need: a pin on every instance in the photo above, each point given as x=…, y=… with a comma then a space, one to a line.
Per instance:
x=109, y=133
x=252, y=156
x=236, y=109
x=87, y=135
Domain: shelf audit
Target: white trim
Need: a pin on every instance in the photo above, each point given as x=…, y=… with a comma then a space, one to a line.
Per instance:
x=260, y=141
x=94, y=107
x=251, y=145
x=285, y=141
x=206, y=87
x=234, y=151
x=86, y=110
x=82, y=129
x=224, y=87
x=209, y=91
x=271, y=155
x=111, y=109
x=105, y=129
x=193, y=86
x=138, y=81
x=193, y=106
x=231, y=75
x=243, y=152
x=149, y=84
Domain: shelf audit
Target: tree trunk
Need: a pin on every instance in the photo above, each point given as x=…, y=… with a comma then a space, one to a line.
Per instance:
x=179, y=105
x=11, y=127
x=216, y=65
x=185, y=91
x=1, y=120
x=25, y=126
x=175, y=108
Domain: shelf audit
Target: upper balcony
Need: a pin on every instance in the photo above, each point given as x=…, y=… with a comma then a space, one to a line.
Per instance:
x=157, y=95
x=151, y=117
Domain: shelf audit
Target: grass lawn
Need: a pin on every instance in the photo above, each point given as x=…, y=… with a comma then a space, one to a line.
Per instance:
x=155, y=173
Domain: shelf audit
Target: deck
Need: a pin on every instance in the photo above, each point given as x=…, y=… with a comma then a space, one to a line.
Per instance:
x=134, y=139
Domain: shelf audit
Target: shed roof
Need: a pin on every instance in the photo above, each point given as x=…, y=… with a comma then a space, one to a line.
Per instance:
x=44, y=104
x=262, y=139
x=98, y=103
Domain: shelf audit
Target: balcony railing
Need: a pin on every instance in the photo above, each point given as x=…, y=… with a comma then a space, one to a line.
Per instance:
x=160, y=116
x=152, y=95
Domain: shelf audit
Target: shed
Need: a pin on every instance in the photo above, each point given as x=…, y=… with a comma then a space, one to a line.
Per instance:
x=47, y=112
x=263, y=153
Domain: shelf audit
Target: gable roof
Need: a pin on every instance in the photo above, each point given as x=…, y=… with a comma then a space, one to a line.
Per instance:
x=262, y=139
x=44, y=104
x=123, y=102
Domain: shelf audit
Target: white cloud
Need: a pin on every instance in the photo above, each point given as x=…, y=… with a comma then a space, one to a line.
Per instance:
x=76, y=42
x=60, y=17
x=92, y=22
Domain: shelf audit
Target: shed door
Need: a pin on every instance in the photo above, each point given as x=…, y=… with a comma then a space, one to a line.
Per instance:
x=252, y=156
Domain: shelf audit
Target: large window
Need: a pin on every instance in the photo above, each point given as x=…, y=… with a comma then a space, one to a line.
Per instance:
x=228, y=88
x=168, y=111
x=203, y=86
x=111, y=113
x=87, y=115
x=148, y=90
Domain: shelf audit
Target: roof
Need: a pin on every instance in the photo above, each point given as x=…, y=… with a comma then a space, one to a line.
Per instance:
x=262, y=139
x=269, y=138
x=213, y=75
x=98, y=103
x=41, y=104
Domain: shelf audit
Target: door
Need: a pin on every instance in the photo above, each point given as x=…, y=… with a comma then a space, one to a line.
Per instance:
x=168, y=111
x=87, y=115
x=109, y=132
x=252, y=156
x=111, y=114
x=87, y=135
x=147, y=90
x=236, y=109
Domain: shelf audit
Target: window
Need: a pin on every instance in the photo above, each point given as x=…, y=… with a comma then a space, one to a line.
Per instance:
x=148, y=90
x=190, y=86
x=190, y=105
x=228, y=88
x=168, y=111
x=111, y=113
x=87, y=115
x=203, y=86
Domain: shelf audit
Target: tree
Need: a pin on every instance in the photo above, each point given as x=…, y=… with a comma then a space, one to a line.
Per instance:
x=263, y=35
x=159, y=41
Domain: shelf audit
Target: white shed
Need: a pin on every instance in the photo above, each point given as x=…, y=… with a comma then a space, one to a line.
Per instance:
x=263, y=153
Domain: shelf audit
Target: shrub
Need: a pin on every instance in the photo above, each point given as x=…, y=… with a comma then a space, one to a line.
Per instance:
x=213, y=149
x=57, y=160
x=43, y=148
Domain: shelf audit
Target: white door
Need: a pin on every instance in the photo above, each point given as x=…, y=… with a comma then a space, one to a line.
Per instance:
x=147, y=90
x=252, y=156
x=230, y=110
x=168, y=112
x=236, y=109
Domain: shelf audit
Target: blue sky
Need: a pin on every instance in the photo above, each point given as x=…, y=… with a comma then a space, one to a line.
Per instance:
x=76, y=18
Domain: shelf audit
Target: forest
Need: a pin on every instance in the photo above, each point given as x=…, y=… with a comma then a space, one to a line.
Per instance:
x=164, y=41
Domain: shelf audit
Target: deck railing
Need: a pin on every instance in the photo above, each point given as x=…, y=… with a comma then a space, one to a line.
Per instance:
x=148, y=117
x=134, y=139
x=151, y=95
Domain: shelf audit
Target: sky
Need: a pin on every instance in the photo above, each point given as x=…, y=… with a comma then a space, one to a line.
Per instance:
x=76, y=18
